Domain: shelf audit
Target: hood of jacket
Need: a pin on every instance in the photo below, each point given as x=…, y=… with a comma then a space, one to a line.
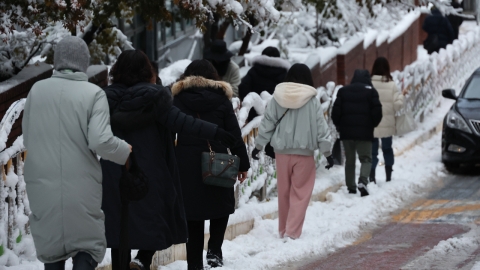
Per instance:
x=271, y=62
x=136, y=106
x=200, y=94
x=361, y=76
x=270, y=67
x=293, y=95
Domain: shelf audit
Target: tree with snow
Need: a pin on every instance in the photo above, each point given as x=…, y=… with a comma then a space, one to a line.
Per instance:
x=28, y=27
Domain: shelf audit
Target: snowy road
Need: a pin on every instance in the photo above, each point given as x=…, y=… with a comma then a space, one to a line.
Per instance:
x=440, y=231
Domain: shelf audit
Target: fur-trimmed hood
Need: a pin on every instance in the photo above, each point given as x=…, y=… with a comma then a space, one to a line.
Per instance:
x=271, y=61
x=202, y=95
x=200, y=82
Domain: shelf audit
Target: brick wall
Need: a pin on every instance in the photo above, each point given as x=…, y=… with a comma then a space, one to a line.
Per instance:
x=422, y=35
x=347, y=63
x=370, y=56
x=395, y=53
x=322, y=74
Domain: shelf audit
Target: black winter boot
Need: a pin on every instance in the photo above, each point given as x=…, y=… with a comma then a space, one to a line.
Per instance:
x=372, y=176
x=214, y=260
x=388, y=172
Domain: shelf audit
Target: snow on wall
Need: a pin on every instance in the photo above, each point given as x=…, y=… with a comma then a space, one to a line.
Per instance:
x=27, y=73
x=350, y=44
x=403, y=25
x=171, y=73
x=370, y=37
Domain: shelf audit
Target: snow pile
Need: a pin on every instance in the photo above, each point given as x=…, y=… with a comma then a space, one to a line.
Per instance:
x=170, y=74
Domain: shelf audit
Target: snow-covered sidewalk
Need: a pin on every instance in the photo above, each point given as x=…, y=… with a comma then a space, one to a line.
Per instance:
x=340, y=220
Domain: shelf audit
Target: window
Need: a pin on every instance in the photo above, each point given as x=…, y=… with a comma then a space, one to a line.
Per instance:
x=473, y=89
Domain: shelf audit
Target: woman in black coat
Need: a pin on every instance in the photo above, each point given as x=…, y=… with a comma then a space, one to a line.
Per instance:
x=142, y=114
x=267, y=72
x=200, y=93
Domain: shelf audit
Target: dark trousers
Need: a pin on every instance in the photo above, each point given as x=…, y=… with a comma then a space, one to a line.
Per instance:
x=144, y=256
x=82, y=261
x=364, y=151
x=196, y=231
x=386, y=149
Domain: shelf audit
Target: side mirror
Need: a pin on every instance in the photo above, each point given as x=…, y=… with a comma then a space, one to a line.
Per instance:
x=449, y=93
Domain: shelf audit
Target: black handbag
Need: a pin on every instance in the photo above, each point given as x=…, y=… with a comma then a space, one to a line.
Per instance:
x=219, y=169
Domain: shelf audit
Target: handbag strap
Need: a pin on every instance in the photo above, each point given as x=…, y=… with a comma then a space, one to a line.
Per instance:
x=279, y=120
x=208, y=142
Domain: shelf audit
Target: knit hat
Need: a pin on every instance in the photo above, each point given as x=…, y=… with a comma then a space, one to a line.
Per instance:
x=71, y=53
x=271, y=51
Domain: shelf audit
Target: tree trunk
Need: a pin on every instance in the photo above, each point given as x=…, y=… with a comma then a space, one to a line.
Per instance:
x=223, y=29
x=245, y=42
x=90, y=34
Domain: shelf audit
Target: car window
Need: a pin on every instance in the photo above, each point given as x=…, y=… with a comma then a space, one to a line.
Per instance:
x=473, y=89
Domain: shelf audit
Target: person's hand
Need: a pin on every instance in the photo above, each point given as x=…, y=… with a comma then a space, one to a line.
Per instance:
x=242, y=176
x=225, y=138
x=255, y=153
x=405, y=92
x=130, y=147
x=330, y=162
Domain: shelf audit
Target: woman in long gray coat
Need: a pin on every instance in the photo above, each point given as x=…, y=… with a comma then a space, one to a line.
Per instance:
x=66, y=124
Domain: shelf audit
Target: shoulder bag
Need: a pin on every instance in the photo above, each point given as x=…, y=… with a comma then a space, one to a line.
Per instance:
x=404, y=124
x=219, y=169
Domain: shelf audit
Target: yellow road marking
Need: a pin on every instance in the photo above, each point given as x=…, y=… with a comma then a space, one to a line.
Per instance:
x=425, y=210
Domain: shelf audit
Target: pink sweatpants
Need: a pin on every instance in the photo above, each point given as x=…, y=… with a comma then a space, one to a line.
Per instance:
x=295, y=181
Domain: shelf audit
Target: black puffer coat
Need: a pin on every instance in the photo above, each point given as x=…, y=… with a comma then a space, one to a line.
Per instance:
x=266, y=73
x=143, y=116
x=210, y=99
x=357, y=109
x=437, y=24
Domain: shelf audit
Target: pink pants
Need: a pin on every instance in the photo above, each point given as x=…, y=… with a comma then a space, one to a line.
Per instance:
x=295, y=181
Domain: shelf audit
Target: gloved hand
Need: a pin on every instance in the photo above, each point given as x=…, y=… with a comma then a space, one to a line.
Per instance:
x=225, y=138
x=330, y=162
x=255, y=153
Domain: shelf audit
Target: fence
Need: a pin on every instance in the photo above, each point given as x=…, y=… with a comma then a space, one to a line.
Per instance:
x=423, y=81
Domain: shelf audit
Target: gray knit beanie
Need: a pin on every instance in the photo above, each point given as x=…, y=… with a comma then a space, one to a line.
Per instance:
x=71, y=53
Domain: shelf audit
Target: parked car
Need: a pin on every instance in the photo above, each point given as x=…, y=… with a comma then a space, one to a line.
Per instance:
x=461, y=126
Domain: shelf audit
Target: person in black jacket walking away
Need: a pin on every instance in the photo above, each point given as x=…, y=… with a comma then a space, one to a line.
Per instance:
x=440, y=32
x=356, y=112
x=142, y=114
x=200, y=93
x=267, y=72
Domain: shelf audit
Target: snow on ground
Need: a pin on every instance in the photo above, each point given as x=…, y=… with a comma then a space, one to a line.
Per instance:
x=340, y=220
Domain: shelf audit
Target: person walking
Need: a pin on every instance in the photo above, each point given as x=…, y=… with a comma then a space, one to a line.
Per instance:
x=66, y=124
x=268, y=70
x=356, y=112
x=142, y=113
x=439, y=30
x=295, y=126
x=201, y=94
x=220, y=58
x=392, y=101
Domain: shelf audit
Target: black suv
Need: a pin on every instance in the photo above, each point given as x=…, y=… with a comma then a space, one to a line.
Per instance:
x=461, y=126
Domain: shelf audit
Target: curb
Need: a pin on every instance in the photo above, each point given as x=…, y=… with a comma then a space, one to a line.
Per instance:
x=178, y=252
